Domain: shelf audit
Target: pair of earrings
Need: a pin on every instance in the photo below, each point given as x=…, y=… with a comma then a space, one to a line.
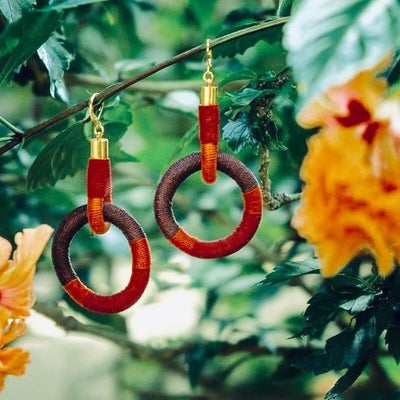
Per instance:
x=100, y=212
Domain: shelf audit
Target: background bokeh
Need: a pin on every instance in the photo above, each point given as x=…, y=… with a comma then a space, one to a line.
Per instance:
x=204, y=329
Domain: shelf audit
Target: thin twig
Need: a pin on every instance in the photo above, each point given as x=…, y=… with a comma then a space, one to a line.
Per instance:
x=155, y=86
x=120, y=86
x=272, y=201
x=10, y=126
x=95, y=81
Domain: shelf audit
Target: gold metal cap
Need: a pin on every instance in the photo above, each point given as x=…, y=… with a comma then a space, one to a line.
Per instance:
x=208, y=95
x=99, y=148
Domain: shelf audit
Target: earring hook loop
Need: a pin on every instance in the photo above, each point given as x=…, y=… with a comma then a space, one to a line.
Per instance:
x=208, y=76
x=98, y=128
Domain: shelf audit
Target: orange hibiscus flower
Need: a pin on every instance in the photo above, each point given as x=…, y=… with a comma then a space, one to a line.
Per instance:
x=351, y=199
x=12, y=360
x=16, y=298
x=16, y=275
x=350, y=104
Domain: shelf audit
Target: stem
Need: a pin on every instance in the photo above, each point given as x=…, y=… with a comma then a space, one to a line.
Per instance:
x=148, y=87
x=118, y=87
x=272, y=201
x=152, y=87
x=10, y=126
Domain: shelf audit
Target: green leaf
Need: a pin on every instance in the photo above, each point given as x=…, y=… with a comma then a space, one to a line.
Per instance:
x=393, y=73
x=196, y=359
x=268, y=31
x=322, y=308
x=125, y=32
x=284, y=8
x=245, y=96
x=238, y=133
x=29, y=32
x=56, y=59
x=351, y=346
x=117, y=117
x=114, y=131
x=9, y=46
x=65, y=4
x=347, y=379
x=291, y=269
x=245, y=74
x=63, y=156
x=202, y=10
x=247, y=13
x=13, y=9
x=343, y=350
x=118, y=111
x=330, y=41
x=382, y=314
x=117, y=154
x=358, y=304
x=342, y=292
x=392, y=339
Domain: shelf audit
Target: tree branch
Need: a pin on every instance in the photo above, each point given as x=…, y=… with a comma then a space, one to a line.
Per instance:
x=120, y=86
x=71, y=324
x=272, y=201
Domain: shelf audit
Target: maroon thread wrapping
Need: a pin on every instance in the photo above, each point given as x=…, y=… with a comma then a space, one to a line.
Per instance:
x=141, y=261
x=170, y=228
x=209, y=137
x=99, y=188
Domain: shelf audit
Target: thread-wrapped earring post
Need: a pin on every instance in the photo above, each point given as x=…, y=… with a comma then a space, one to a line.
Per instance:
x=98, y=174
x=208, y=123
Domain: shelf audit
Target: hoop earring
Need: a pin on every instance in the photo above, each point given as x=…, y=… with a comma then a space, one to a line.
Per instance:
x=208, y=160
x=99, y=213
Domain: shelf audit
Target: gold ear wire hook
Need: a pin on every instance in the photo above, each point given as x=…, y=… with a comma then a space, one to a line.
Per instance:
x=208, y=93
x=98, y=128
x=98, y=145
x=208, y=76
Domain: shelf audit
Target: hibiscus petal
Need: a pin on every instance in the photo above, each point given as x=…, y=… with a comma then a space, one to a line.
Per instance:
x=5, y=251
x=31, y=243
x=328, y=109
x=15, y=329
x=13, y=361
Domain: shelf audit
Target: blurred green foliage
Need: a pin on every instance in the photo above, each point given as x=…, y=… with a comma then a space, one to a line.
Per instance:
x=252, y=339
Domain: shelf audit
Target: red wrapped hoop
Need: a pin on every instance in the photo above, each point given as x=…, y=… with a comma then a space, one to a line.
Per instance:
x=251, y=217
x=141, y=261
x=99, y=189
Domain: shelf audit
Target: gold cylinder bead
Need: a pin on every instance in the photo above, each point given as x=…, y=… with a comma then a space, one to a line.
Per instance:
x=99, y=148
x=208, y=95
